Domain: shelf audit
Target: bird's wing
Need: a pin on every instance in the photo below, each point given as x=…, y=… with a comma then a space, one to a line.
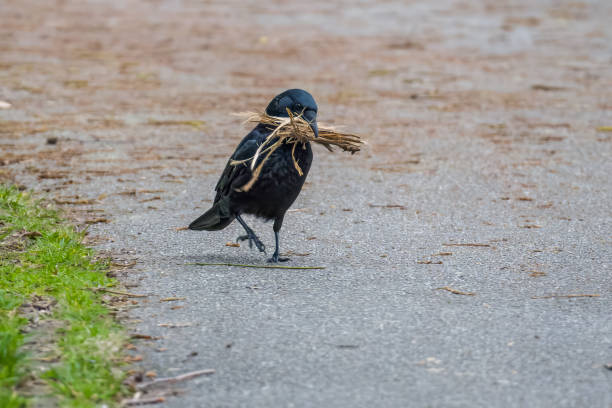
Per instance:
x=237, y=175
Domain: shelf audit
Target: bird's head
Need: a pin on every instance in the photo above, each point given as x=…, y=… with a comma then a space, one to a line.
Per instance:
x=298, y=102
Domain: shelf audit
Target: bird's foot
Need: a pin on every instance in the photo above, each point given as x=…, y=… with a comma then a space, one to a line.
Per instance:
x=276, y=259
x=252, y=240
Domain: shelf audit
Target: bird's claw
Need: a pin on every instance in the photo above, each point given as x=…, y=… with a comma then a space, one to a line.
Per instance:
x=244, y=238
x=252, y=239
x=276, y=259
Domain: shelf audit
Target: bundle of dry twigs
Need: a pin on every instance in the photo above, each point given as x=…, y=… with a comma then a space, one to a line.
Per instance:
x=296, y=127
x=293, y=129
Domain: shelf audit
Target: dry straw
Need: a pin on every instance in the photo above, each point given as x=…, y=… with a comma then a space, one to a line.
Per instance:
x=293, y=129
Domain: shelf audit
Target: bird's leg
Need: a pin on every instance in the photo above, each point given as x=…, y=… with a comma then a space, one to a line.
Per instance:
x=275, y=257
x=250, y=235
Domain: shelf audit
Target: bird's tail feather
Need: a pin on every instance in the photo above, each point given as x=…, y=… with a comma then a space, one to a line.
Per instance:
x=217, y=218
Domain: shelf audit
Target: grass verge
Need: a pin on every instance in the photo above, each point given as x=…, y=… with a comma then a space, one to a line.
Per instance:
x=42, y=257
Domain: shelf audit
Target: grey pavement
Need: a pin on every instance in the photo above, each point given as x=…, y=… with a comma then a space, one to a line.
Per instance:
x=372, y=328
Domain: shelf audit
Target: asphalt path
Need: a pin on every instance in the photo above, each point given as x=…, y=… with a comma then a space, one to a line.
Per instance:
x=374, y=328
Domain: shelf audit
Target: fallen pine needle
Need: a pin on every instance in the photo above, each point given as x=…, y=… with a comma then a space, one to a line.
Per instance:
x=542, y=87
x=146, y=200
x=143, y=336
x=74, y=202
x=123, y=265
x=468, y=245
x=117, y=292
x=173, y=380
x=257, y=266
x=171, y=299
x=143, y=401
x=401, y=207
x=151, y=191
x=100, y=220
x=455, y=291
x=564, y=296
x=173, y=325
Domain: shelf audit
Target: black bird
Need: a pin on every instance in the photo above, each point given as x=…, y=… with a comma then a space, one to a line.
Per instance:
x=278, y=184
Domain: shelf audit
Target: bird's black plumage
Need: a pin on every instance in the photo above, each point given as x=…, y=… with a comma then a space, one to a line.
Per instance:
x=278, y=184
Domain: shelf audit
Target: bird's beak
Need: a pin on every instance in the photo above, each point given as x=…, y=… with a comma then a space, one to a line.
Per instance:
x=315, y=128
x=311, y=117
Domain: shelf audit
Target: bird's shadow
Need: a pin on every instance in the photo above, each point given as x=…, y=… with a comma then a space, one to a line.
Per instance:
x=225, y=258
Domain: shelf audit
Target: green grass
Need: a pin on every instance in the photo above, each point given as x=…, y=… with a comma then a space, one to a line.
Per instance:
x=12, y=361
x=54, y=263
